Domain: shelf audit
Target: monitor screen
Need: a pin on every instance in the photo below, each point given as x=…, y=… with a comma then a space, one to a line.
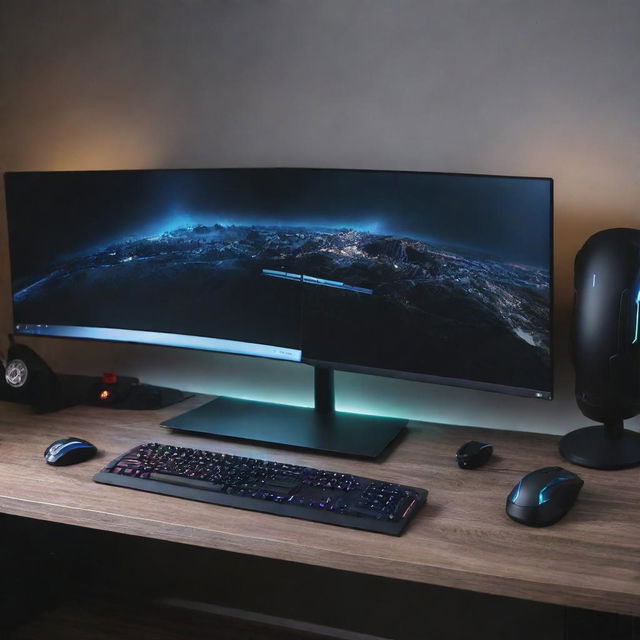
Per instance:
x=429, y=276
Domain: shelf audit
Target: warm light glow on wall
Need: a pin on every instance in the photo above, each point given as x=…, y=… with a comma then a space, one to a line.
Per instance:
x=102, y=147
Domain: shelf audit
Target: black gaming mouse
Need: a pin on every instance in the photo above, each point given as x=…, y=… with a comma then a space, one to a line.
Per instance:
x=543, y=496
x=69, y=451
x=473, y=454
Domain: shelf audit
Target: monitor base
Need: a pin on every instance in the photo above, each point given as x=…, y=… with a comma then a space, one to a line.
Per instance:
x=332, y=432
x=597, y=448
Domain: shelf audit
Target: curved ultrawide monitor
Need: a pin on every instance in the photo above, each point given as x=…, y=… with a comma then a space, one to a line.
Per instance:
x=428, y=276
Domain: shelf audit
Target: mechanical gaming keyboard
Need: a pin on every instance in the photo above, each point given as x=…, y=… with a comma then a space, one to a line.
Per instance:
x=262, y=485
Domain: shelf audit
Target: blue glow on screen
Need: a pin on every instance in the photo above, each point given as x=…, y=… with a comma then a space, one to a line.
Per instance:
x=162, y=339
x=183, y=218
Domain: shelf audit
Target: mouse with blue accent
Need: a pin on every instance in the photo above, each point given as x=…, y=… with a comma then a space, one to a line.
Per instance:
x=544, y=496
x=69, y=451
x=473, y=454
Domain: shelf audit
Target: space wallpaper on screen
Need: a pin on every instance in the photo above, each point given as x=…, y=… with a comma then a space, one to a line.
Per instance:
x=432, y=274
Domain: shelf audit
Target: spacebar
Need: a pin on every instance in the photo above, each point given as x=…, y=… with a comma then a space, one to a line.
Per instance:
x=186, y=482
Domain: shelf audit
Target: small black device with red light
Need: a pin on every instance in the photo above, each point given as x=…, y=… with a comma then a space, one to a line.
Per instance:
x=111, y=390
x=124, y=392
x=26, y=378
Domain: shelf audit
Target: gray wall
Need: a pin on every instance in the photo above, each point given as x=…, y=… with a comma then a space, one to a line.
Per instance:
x=522, y=87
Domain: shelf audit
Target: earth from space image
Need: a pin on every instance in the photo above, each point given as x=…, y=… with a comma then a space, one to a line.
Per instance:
x=436, y=309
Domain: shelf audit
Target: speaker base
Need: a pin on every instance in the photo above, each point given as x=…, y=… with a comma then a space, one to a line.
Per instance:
x=594, y=447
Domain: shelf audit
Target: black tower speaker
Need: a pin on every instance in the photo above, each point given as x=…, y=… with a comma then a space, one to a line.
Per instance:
x=606, y=350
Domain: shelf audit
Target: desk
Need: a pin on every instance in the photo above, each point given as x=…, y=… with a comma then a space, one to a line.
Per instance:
x=461, y=538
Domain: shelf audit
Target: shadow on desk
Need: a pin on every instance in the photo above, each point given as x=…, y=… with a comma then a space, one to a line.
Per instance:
x=66, y=582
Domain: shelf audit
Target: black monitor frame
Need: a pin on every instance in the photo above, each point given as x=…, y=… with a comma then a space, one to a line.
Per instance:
x=323, y=427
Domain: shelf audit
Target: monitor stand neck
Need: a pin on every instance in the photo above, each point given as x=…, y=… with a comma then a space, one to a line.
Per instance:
x=320, y=428
x=324, y=390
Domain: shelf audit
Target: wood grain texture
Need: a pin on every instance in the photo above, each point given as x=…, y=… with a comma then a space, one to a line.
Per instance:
x=461, y=538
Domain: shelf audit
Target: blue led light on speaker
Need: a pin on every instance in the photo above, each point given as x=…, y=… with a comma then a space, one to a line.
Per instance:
x=635, y=339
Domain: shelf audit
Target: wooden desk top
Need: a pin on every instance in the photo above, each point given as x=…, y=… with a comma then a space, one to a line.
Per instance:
x=461, y=538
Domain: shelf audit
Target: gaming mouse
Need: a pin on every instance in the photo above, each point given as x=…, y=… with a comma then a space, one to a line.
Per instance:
x=473, y=454
x=69, y=451
x=543, y=496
